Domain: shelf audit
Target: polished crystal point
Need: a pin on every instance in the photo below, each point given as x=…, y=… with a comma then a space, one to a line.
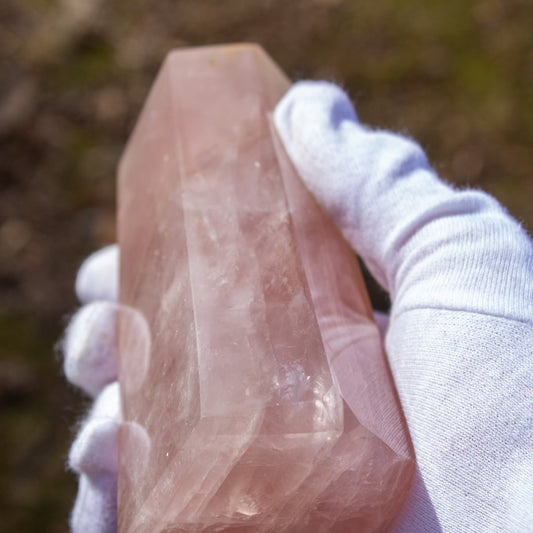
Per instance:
x=255, y=392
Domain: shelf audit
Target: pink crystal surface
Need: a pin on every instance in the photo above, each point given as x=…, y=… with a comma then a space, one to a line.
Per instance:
x=255, y=391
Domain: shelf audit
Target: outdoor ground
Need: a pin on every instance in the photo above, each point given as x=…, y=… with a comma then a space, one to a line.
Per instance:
x=454, y=74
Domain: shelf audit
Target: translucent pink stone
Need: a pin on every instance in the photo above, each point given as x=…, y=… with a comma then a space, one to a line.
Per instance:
x=255, y=392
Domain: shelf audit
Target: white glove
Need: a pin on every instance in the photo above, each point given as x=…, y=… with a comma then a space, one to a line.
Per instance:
x=459, y=271
x=460, y=274
x=90, y=363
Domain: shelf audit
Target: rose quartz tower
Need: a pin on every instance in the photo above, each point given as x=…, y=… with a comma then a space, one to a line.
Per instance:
x=255, y=392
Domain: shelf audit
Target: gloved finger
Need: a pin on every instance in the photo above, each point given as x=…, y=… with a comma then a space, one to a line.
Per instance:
x=95, y=508
x=90, y=346
x=94, y=451
x=424, y=241
x=97, y=277
x=94, y=456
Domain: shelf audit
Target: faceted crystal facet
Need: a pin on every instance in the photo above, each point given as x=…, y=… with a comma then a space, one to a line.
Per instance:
x=255, y=393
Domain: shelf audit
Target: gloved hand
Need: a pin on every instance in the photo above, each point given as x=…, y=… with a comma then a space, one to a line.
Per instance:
x=459, y=271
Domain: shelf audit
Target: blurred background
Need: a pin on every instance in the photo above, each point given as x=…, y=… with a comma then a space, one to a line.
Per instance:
x=456, y=75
